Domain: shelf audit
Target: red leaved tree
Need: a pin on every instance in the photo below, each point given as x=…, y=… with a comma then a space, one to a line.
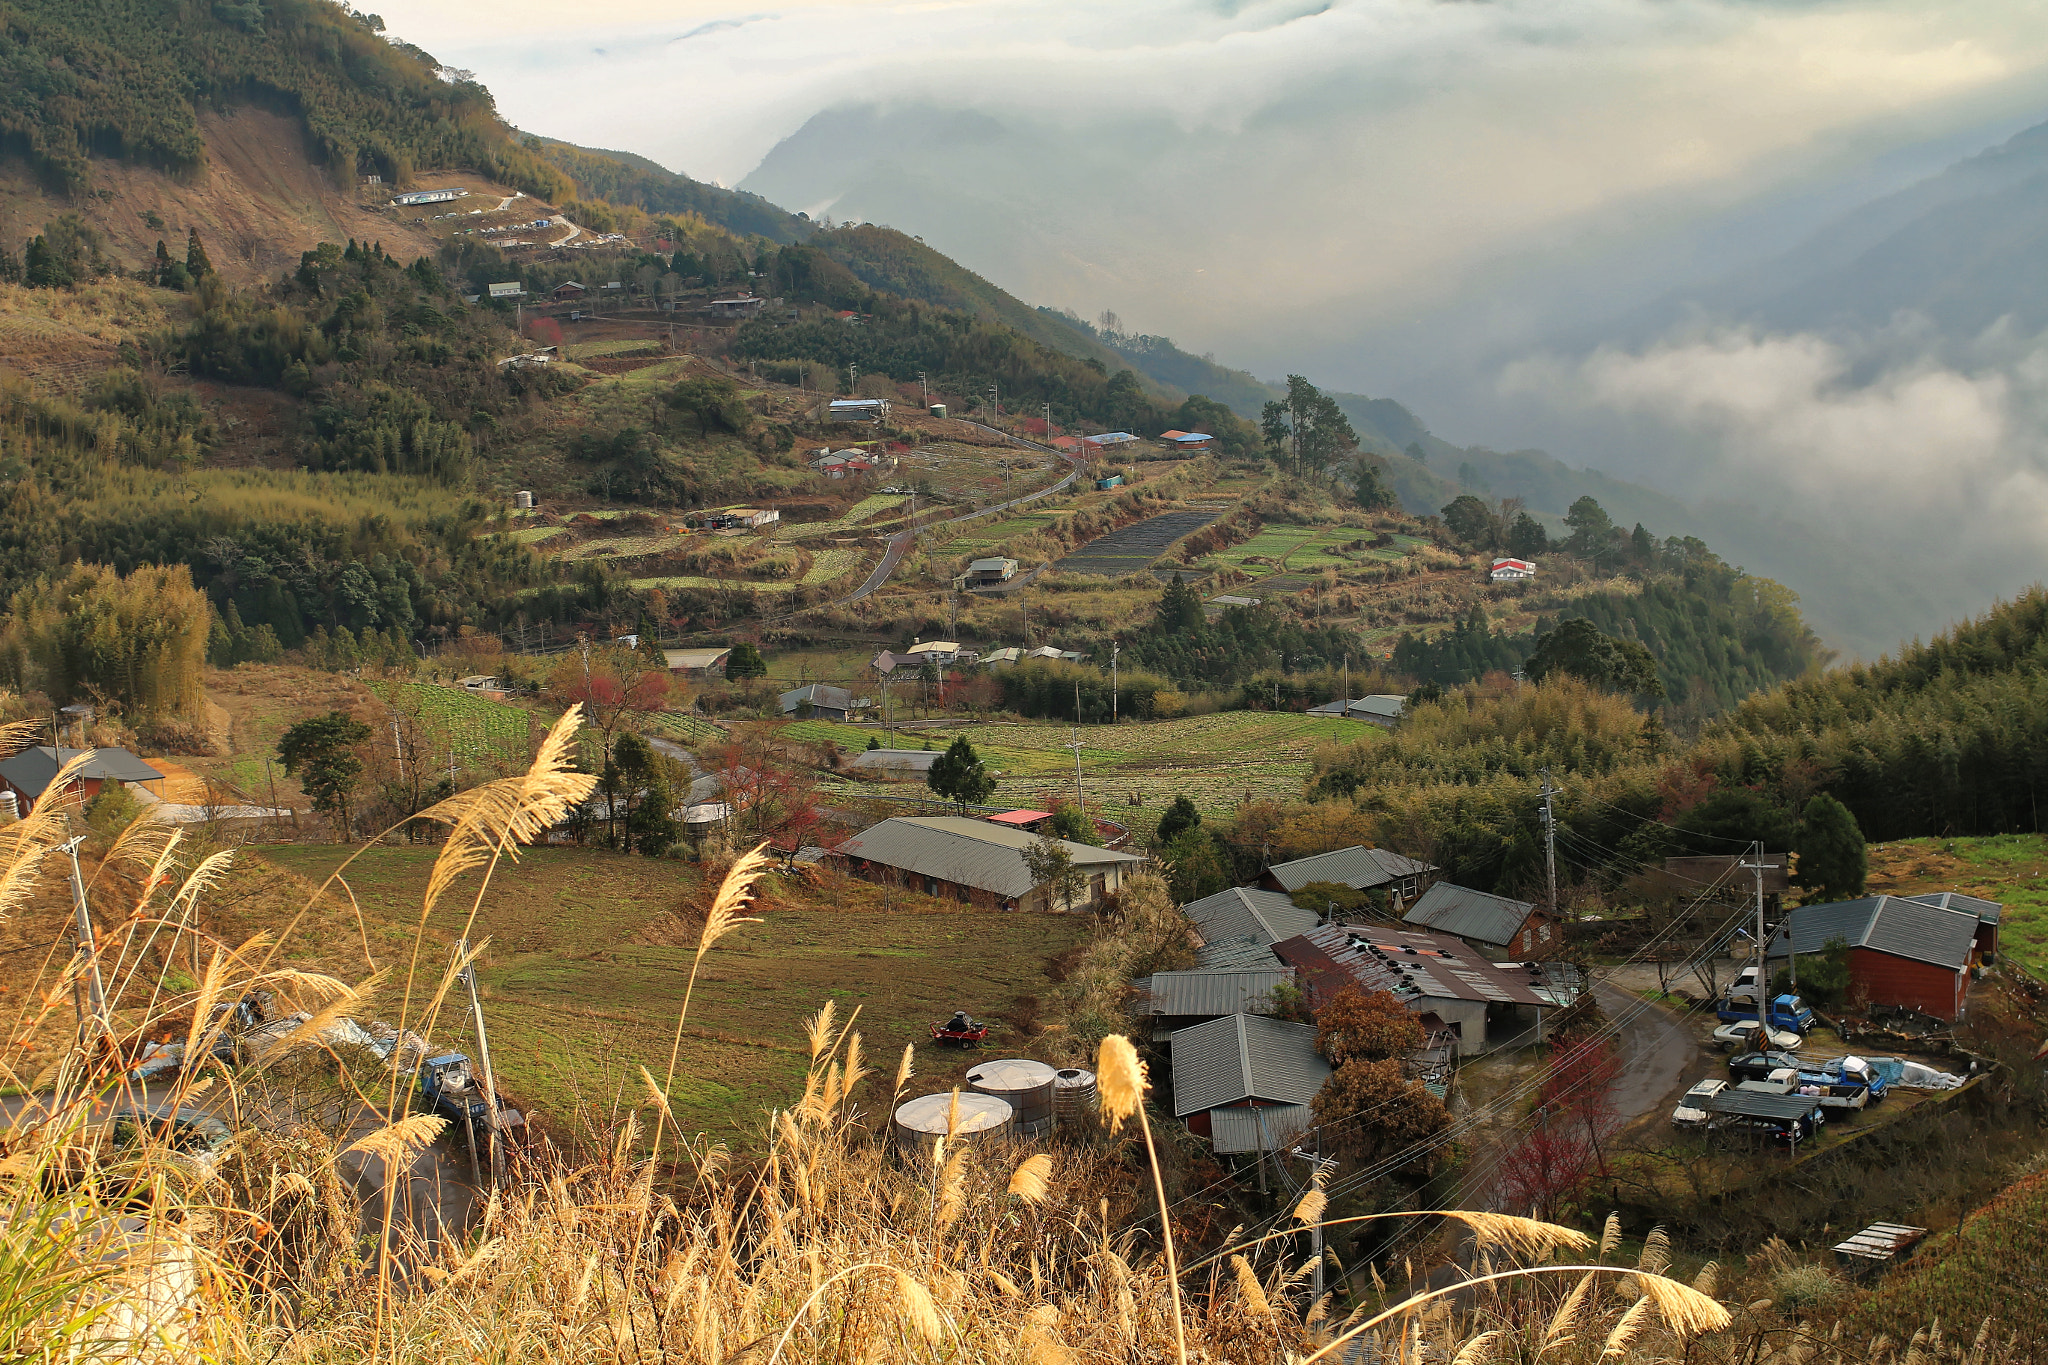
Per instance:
x=616, y=686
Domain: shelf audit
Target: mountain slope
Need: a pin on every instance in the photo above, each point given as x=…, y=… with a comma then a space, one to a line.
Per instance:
x=628, y=178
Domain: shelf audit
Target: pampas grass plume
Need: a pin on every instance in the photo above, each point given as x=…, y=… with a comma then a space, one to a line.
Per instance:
x=1120, y=1077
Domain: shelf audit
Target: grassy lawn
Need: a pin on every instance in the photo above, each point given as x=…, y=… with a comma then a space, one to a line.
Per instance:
x=1213, y=760
x=2007, y=868
x=586, y=970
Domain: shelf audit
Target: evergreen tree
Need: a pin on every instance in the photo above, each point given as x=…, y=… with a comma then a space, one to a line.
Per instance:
x=320, y=752
x=959, y=775
x=10, y=267
x=1071, y=823
x=1833, y=862
x=1179, y=817
x=1593, y=531
x=1370, y=486
x=1526, y=538
x=1180, y=608
x=1578, y=648
x=195, y=255
x=874, y=743
x=41, y=268
x=163, y=263
x=745, y=662
x=1469, y=519
x=1306, y=432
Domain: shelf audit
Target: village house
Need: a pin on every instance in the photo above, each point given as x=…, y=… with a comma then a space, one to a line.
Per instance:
x=1178, y=1000
x=1381, y=708
x=1239, y=926
x=29, y=773
x=1361, y=869
x=1495, y=925
x=1246, y=1082
x=824, y=702
x=1485, y=1006
x=1988, y=914
x=742, y=518
x=1902, y=952
x=858, y=409
x=1110, y=440
x=1507, y=570
x=697, y=663
x=975, y=862
x=741, y=306
x=1187, y=440
x=568, y=289
x=983, y=573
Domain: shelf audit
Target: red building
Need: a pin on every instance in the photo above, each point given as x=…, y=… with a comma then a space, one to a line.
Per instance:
x=1902, y=952
x=29, y=773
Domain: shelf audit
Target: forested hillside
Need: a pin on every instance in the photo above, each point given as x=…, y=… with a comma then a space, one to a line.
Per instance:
x=120, y=78
x=628, y=179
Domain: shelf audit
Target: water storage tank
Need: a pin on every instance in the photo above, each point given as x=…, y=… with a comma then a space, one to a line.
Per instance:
x=938, y=409
x=522, y=502
x=10, y=809
x=1026, y=1084
x=920, y=1120
x=1073, y=1093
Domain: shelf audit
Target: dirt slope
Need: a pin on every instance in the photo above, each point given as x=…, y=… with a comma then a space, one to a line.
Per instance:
x=258, y=204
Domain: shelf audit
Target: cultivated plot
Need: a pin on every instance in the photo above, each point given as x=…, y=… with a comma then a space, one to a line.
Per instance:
x=1133, y=548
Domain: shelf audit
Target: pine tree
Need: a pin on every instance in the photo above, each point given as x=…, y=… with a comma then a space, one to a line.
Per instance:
x=1833, y=862
x=1180, y=816
x=959, y=775
x=1180, y=607
x=195, y=255
x=163, y=262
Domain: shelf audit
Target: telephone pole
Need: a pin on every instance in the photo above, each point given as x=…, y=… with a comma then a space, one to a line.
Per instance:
x=1080, y=799
x=483, y=1052
x=1550, y=839
x=1112, y=681
x=95, y=989
x=1763, y=960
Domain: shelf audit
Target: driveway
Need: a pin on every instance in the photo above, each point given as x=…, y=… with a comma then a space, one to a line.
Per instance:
x=1659, y=1055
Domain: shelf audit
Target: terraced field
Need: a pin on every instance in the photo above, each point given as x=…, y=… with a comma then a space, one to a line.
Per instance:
x=1133, y=548
x=1215, y=761
x=625, y=547
x=985, y=537
x=827, y=565
x=534, y=535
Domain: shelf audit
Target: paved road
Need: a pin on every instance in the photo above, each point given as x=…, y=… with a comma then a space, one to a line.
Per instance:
x=1659, y=1056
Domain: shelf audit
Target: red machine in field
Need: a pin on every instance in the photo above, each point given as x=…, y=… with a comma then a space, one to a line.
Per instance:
x=960, y=1031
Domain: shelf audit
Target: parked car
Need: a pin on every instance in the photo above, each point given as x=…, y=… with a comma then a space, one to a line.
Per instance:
x=1757, y=1066
x=1692, y=1108
x=1780, y=1081
x=1744, y=1034
x=193, y=1134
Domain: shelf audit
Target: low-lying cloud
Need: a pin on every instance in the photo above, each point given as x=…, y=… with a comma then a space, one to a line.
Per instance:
x=1931, y=459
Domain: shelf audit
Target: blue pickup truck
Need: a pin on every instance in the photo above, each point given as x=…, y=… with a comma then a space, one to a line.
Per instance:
x=1786, y=1012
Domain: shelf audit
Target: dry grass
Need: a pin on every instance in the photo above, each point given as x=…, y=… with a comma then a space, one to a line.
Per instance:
x=647, y=1243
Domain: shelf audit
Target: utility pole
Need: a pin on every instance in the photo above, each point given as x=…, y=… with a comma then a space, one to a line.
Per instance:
x=483, y=1052
x=1763, y=960
x=1080, y=797
x=95, y=988
x=924, y=390
x=1550, y=839
x=1316, y=1232
x=1347, y=707
x=1112, y=681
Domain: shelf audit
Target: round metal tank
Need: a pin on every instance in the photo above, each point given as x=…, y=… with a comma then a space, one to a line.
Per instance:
x=1026, y=1084
x=920, y=1120
x=1073, y=1093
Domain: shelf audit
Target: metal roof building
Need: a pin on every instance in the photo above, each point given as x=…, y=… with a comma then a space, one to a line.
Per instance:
x=1212, y=993
x=1494, y=924
x=696, y=660
x=29, y=773
x=1245, y=1057
x=952, y=855
x=1426, y=972
x=1988, y=914
x=1357, y=867
x=1381, y=708
x=1901, y=952
x=834, y=703
x=1248, y=912
x=915, y=761
x=1896, y=925
x=1258, y=1128
x=1244, y=951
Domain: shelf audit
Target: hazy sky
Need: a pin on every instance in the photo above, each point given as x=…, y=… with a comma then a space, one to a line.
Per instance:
x=1395, y=152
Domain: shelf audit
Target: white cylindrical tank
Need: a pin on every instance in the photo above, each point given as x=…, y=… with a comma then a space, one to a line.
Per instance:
x=523, y=501
x=1073, y=1093
x=920, y=1120
x=10, y=809
x=1025, y=1084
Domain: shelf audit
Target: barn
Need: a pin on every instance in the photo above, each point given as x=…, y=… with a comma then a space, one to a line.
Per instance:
x=1902, y=952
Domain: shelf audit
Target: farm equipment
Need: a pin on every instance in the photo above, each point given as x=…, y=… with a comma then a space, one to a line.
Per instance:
x=960, y=1031
x=453, y=1092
